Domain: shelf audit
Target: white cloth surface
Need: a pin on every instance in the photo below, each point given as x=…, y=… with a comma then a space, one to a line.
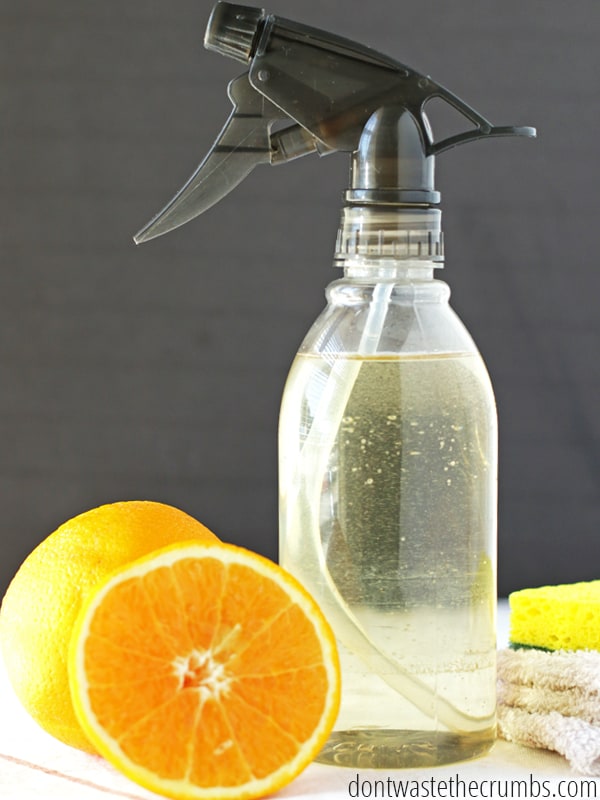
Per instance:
x=552, y=700
x=575, y=739
x=33, y=765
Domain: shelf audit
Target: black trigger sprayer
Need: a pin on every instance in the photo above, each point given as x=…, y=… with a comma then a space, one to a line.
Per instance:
x=387, y=432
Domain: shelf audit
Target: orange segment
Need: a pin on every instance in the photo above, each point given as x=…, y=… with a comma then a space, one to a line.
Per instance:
x=205, y=671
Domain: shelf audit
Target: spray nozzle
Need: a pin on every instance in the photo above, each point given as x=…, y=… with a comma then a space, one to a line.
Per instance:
x=335, y=95
x=233, y=30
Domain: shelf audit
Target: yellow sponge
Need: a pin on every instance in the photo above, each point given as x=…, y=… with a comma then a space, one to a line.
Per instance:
x=565, y=617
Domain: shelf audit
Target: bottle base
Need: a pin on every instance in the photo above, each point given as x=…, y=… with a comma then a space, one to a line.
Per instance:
x=398, y=749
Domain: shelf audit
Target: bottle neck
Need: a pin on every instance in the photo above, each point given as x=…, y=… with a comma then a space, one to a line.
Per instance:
x=381, y=271
x=402, y=284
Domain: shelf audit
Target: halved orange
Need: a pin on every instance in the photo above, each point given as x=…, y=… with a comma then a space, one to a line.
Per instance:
x=205, y=671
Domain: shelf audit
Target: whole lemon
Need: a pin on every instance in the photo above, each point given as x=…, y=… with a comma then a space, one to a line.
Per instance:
x=44, y=598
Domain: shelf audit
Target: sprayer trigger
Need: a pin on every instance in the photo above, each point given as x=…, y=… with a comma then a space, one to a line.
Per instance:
x=244, y=142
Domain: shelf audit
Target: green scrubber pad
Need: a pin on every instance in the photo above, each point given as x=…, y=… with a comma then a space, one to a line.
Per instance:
x=564, y=617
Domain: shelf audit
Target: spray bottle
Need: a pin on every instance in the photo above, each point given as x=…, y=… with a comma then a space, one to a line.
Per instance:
x=387, y=432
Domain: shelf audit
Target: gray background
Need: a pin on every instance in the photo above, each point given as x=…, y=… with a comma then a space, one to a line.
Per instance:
x=156, y=372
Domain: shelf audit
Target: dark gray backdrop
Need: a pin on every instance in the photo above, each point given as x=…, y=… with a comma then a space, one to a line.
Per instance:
x=156, y=372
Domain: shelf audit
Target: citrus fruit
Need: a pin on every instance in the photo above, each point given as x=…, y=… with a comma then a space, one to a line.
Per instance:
x=205, y=671
x=44, y=598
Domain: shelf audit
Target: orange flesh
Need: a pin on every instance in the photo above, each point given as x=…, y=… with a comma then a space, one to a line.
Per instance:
x=208, y=654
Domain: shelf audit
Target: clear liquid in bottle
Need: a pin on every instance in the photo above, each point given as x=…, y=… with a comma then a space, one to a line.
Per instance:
x=399, y=502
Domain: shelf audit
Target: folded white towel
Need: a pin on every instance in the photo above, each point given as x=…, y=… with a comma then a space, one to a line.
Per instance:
x=552, y=700
x=563, y=681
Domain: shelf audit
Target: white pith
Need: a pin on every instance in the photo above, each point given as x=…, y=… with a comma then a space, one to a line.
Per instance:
x=202, y=672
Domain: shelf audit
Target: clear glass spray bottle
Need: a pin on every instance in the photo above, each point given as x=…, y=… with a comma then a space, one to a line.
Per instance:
x=387, y=429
